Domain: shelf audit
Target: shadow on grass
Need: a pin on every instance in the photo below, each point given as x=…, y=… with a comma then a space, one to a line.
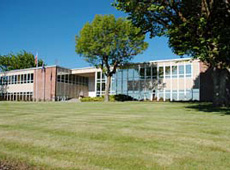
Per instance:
x=208, y=107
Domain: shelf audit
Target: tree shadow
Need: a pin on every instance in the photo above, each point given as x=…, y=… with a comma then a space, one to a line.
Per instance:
x=209, y=108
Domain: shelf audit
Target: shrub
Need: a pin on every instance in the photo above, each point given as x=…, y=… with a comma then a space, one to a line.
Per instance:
x=92, y=99
x=123, y=97
x=112, y=98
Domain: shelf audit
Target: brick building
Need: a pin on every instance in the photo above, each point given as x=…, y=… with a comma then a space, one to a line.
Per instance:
x=174, y=80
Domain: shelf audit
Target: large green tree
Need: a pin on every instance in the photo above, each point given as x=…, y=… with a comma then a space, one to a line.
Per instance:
x=19, y=60
x=198, y=28
x=109, y=43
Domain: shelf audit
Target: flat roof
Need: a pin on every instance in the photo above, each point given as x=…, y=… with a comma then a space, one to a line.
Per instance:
x=33, y=68
x=94, y=68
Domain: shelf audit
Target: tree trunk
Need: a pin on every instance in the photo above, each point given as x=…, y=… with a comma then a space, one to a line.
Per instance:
x=107, y=88
x=220, y=88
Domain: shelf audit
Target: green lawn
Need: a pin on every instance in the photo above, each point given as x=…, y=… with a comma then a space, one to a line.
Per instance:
x=132, y=135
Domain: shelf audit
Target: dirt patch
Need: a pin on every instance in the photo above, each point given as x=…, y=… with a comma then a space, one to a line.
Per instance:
x=8, y=165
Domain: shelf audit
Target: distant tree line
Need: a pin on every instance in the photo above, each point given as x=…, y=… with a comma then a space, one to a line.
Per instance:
x=20, y=60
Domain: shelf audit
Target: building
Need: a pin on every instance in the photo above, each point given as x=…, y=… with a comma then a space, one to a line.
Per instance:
x=174, y=80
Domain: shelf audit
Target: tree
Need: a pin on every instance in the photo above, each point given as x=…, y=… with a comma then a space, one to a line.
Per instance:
x=20, y=60
x=109, y=43
x=198, y=28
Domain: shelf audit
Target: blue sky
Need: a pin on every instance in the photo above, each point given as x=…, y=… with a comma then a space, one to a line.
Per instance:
x=49, y=27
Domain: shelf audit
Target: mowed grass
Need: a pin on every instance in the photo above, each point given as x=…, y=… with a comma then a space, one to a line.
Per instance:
x=129, y=135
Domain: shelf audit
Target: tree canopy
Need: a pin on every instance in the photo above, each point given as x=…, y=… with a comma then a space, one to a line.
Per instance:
x=19, y=60
x=109, y=43
x=198, y=28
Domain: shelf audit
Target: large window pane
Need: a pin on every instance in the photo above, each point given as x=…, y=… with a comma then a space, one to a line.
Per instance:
x=28, y=79
x=142, y=73
x=98, y=75
x=188, y=70
x=154, y=72
x=167, y=72
x=130, y=74
x=181, y=71
x=161, y=72
x=174, y=71
x=148, y=72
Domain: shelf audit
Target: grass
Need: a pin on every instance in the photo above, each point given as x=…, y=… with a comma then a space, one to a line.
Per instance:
x=132, y=135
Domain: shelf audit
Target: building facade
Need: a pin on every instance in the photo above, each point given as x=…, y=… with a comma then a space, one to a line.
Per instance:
x=174, y=80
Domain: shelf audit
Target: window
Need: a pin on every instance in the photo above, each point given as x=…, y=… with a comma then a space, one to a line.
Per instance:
x=125, y=73
x=181, y=71
x=10, y=80
x=77, y=80
x=103, y=87
x=16, y=79
x=25, y=78
x=161, y=72
x=22, y=78
x=98, y=75
x=136, y=74
x=28, y=78
x=6, y=80
x=188, y=70
x=167, y=72
x=103, y=76
x=142, y=73
x=119, y=74
x=130, y=74
x=148, y=72
x=174, y=71
x=1, y=80
x=154, y=72
x=98, y=87
x=32, y=78
x=19, y=79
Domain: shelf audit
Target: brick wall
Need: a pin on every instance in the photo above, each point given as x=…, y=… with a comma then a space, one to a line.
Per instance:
x=45, y=84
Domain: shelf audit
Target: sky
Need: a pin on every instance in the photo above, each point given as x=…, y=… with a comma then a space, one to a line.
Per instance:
x=49, y=27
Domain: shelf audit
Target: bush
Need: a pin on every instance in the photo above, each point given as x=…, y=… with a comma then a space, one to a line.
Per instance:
x=92, y=99
x=112, y=98
x=123, y=97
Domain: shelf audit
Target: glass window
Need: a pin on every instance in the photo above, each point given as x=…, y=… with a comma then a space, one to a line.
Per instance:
x=142, y=73
x=9, y=79
x=174, y=71
x=98, y=86
x=130, y=74
x=22, y=78
x=148, y=72
x=154, y=72
x=12, y=79
x=25, y=78
x=119, y=74
x=28, y=79
x=136, y=74
x=32, y=78
x=103, y=75
x=125, y=74
x=16, y=79
x=62, y=78
x=6, y=80
x=98, y=75
x=181, y=71
x=103, y=87
x=161, y=72
x=167, y=72
x=188, y=70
